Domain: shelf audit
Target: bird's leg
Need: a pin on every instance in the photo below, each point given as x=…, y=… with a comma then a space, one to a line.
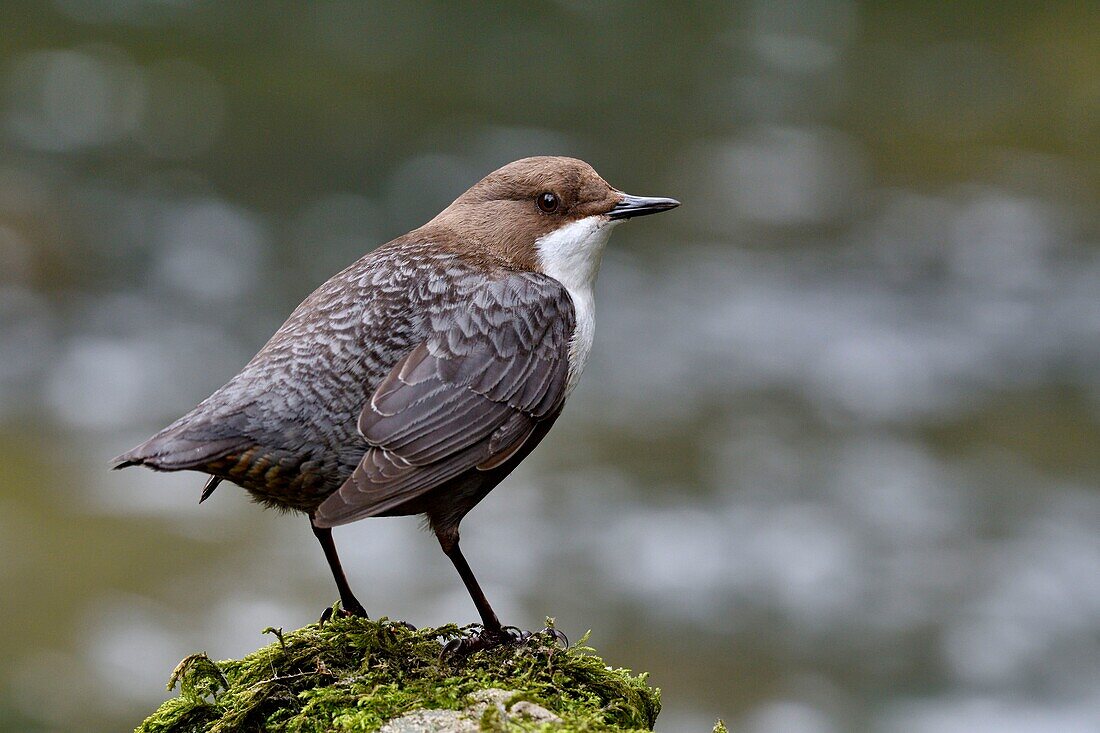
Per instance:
x=493, y=634
x=347, y=599
x=488, y=618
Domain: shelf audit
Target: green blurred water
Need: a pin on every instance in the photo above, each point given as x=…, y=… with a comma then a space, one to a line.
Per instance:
x=833, y=465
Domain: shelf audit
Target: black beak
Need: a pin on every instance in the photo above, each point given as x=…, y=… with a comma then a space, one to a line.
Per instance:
x=640, y=206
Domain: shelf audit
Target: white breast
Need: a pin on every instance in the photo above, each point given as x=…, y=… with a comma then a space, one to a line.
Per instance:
x=571, y=255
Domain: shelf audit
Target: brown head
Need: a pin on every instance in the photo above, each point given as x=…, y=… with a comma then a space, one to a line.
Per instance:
x=515, y=211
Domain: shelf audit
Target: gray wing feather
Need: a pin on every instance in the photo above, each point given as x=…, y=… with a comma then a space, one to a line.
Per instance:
x=494, y=364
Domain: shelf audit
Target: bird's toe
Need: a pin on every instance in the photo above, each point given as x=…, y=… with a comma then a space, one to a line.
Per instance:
x=355, y=610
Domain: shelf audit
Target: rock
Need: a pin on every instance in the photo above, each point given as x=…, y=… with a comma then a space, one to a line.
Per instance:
x=468, y=720
x=364, y=675
x=432, y=721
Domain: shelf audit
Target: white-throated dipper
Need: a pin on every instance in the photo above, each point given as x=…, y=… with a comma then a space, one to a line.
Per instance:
x=415, y=380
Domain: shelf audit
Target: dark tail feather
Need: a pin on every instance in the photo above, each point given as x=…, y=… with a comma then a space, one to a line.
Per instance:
x=209, y=488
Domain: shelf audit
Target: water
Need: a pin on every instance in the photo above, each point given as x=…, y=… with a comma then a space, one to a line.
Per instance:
x=832, y=466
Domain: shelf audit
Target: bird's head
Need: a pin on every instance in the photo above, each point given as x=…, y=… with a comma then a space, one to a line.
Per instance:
x=545, y=214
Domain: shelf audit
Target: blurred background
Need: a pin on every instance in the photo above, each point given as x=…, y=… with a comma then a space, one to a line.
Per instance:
x=833, y=466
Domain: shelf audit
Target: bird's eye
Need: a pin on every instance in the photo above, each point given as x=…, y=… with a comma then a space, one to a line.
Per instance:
x=548, y=202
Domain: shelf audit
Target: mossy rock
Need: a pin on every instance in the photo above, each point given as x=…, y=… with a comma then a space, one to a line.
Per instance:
x=360, y=675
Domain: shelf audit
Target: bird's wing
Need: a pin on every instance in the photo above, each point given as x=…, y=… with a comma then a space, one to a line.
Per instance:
x=493, y=366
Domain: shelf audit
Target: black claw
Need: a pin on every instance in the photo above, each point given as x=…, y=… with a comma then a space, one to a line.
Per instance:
x=340, y=612
x=514, y=634
x=477, y=641
x=556, y=635
x=452, y=648
x=354, y=609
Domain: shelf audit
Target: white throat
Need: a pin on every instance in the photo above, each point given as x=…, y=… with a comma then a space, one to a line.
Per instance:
x=571, y=255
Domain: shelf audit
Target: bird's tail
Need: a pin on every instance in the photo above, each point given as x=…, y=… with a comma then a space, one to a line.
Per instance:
x=177, y=448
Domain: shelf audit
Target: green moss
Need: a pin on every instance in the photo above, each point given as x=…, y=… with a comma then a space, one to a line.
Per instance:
x=354, y=674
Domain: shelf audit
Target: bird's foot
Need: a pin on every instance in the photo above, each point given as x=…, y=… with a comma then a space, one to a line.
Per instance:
x=340, y=611
x=553, y=636
x=480, y=640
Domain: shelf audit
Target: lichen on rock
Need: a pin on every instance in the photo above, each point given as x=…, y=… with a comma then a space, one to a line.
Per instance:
x=353, y=674
x=492, y=709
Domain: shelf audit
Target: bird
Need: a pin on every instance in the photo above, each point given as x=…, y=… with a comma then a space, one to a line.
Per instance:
x=416, y=379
